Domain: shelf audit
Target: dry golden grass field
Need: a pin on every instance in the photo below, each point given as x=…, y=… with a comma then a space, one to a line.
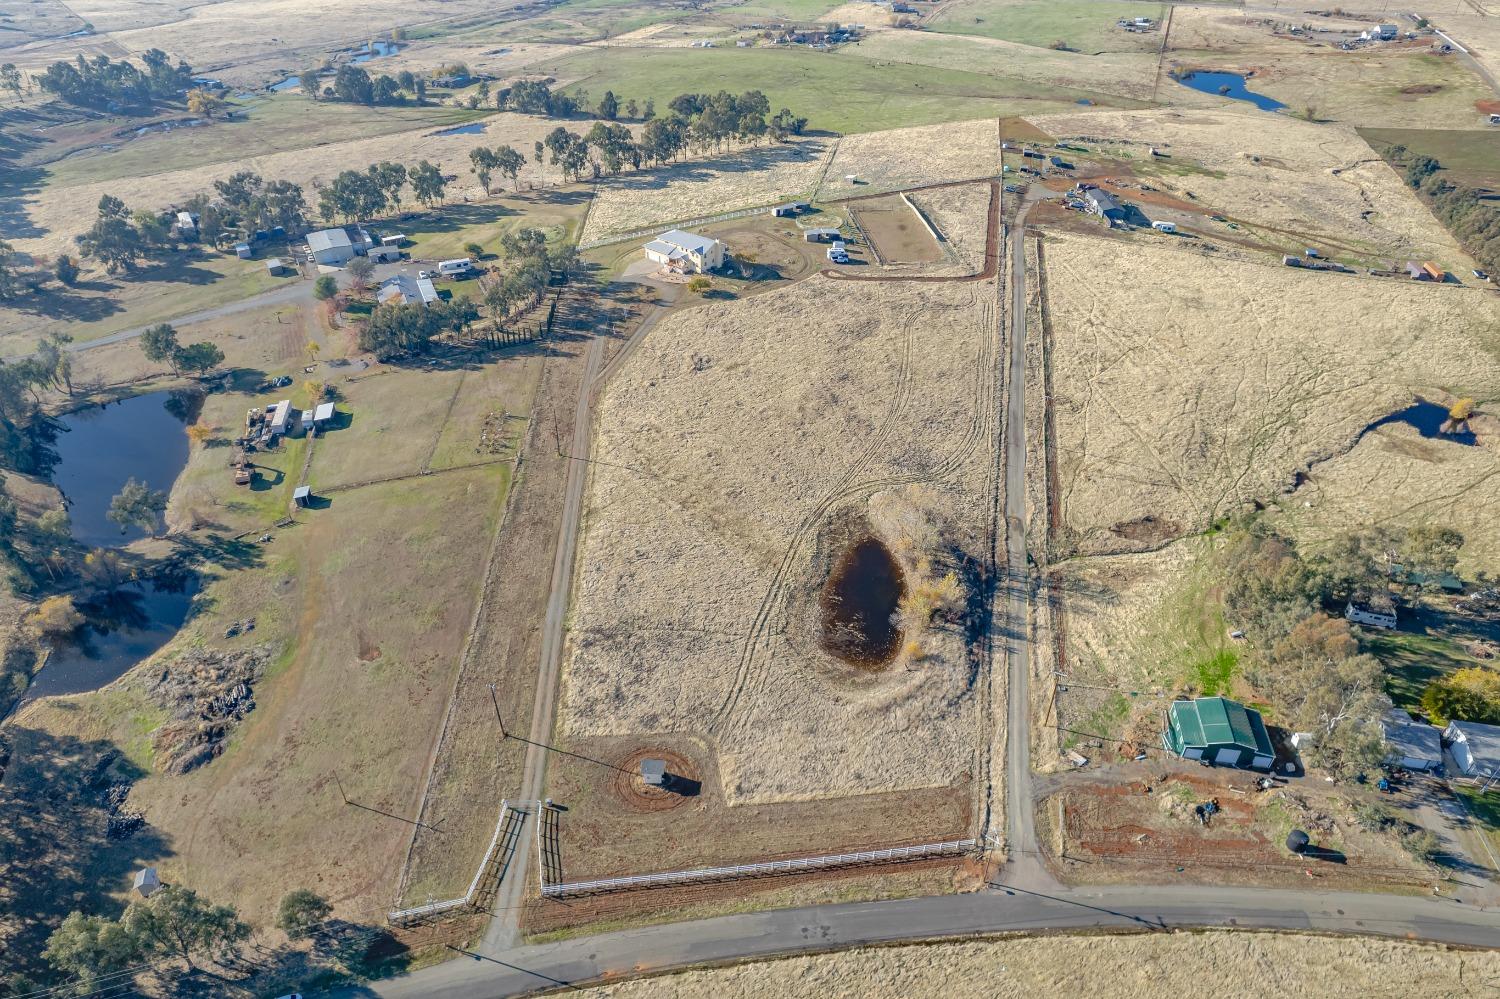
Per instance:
x=960, y=215
x=1186, y=386
x=1313, y=182
x=1396, y=477
x=739, y=450
x=912, y=157
x=744, y=178
x=1253, y=965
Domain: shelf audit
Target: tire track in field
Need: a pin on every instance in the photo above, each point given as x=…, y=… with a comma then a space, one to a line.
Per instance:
x=808, y=524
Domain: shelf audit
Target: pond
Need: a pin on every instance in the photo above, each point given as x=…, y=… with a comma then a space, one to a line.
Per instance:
x=101, y=447
x=1430, y=419
x=472, y=128
x=859, y=605
x=286, y=84
x=374, y=51
x=125, y=626
x=1228, y=85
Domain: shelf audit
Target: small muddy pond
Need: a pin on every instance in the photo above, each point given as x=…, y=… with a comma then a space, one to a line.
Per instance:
x=374, y=51
x=859, y=605
x=125, y=627
x=99, y=448
x=472, y=128
x=1230, y=85
x=1429, y=419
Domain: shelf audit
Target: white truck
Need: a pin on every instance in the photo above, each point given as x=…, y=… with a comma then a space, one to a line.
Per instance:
x=837, y=254
x=462, y=267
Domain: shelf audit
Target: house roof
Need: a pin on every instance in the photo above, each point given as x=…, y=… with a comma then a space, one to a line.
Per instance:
x=324, y=411
x=1210, y=721
x=1408, y=737
x=666, y=249
x=408, y=289
x=1483, y=741
x=328, y=239
x=1101, y=200
x=689, y=241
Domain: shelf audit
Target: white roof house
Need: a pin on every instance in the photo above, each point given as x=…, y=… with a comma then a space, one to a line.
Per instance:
x=405, y=289
x=331, y=247
x=1412, y=744
x=686, y=252
x=1475, y=747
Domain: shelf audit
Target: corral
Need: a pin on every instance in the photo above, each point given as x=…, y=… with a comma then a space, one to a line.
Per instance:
x=895, y=230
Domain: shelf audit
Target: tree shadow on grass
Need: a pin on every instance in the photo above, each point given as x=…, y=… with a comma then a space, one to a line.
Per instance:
x=61, y=840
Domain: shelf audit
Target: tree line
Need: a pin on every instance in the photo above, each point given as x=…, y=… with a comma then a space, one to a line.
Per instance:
x=364, y=194
x=1301, y=650
x=103, y=83
x=1468, y=213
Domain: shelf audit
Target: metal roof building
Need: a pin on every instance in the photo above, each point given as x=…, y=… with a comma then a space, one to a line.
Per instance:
x=1221, y=731
x=407, y=289
x=331, y=247
x=1475, y=748
x=1412, y=744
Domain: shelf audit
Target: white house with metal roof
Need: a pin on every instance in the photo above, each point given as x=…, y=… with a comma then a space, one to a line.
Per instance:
x=1410, y=743
x=686, y=252
x=331, y=247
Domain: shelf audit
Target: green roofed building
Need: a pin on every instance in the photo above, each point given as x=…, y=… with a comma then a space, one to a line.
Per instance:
x=1221, y=731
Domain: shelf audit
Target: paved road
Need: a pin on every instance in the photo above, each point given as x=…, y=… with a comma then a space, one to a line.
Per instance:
x=787, y=931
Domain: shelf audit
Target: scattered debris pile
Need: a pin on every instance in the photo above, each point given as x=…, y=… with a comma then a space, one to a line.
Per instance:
x=208, y=691
x=493, y=438
x=1480, y=603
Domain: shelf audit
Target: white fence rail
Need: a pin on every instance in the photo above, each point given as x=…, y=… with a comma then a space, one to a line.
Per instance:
x=889, y=855
x=432, y=909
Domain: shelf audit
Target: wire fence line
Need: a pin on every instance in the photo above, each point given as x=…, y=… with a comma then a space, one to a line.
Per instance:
x=499, y=841
x=889, y=855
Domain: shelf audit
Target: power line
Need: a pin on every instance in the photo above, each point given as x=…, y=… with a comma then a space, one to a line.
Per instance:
x=52, y=990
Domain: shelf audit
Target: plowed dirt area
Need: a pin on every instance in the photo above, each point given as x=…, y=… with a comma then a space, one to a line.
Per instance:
x=896, y=231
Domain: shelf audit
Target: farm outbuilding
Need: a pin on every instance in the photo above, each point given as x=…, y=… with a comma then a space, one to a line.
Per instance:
x=330, y=247
x=654, y=772
x=1378, y=611
x=243, y=251
x=1412, y=744
x=302, y=495
x=1219, y=731
x=820, y=235
x=277, y=267
x=147, y=882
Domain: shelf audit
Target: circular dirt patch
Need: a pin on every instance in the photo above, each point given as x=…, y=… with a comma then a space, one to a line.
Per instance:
x=637, y=795
x=1422, y=89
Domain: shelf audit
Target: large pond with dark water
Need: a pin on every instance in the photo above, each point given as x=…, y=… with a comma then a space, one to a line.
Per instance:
x=1231, y=85
x=859, y=605
x=99, y=449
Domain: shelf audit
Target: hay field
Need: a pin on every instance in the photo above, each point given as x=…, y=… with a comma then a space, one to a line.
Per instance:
x=1370, y=86
x=1127, y=74
x=738, y=448
x=1186, y=386
x=64, y=213
x=1314, y=180
x=1480, y=35
x=909, y=157
x=745, y=178
x=1252, y=965
x=1395, y=477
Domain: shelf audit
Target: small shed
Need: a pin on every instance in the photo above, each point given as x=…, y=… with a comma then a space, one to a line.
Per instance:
x=384, y=252
x=1417, y=272
x=323, y=415
x=1219, y=731
x=1433, y=271
x=1412, y=744
x=820, y=235
x=243, y=251
x=277, y=267
x=147, y=882
x=654, y=772
x=784, y=211
x=302, y=495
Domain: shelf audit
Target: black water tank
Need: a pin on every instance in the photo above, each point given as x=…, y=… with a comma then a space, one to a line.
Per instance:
x=1297, y=841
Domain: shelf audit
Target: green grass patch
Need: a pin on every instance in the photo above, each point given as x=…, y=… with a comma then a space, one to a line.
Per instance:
x=1412, y=660
x=1469, y=157
x=1106, y=721
x=1083, y=25
x=1485, y=808
x=1215, y=675
x=841, y=92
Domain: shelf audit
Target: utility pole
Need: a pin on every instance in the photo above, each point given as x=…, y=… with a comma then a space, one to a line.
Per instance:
x=496, y=702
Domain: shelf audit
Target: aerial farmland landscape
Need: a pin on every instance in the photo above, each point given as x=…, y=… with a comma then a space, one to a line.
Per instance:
x=761, y=498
